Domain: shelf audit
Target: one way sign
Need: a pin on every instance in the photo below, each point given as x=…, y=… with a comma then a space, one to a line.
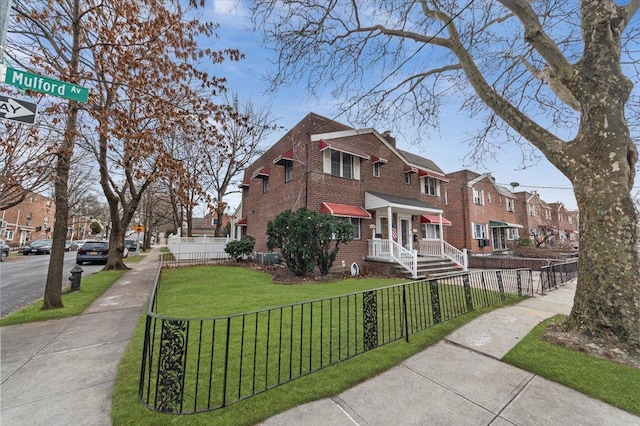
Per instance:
x=17, y=110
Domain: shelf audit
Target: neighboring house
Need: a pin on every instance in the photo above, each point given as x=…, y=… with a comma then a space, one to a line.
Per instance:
x=207, y=224
x=30, y=220
x=537, y=218
x=567, y=230
x=483, y=213
x=392, y=198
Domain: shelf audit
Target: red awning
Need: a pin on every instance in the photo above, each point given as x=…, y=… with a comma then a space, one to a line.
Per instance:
x=262, y=173
x=410, y=169
x=338, y=147
x=242, y=222
x=430, y=218
x=423, y=173
x=344, y=210
x=287, y=156
x=244, y=184
x=375, y=159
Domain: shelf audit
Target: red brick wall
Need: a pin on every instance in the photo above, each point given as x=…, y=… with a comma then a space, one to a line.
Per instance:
x=41, y=210
x=311, y=187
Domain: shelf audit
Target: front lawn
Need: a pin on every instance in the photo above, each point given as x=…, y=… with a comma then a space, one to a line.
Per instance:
x=214, y=291
x=613, y=383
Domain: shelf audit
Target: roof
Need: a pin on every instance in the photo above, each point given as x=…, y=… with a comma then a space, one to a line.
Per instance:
x=420, y=161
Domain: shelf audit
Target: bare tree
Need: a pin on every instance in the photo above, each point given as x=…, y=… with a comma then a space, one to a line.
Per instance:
x=555, y=74
x=244, y=128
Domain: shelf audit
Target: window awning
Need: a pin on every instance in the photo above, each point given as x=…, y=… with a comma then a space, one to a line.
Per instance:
x=410, y=169
x=344, y=210
x=375, y=159
x=261, y=173
x=429, y=218
x=287, y=156
x=244, y=184
x=338, y=147
x=500, y=224
x=242, y=222
x=427, y=173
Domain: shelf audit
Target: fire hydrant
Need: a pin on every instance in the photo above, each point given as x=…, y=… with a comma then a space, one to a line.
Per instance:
x=76, y=276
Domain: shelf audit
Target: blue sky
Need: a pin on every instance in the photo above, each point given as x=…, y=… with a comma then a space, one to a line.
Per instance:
x=290, y=104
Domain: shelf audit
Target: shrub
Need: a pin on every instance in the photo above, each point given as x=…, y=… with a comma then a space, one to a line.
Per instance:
x=308, y=238
x=240, y=248
x=524, y=242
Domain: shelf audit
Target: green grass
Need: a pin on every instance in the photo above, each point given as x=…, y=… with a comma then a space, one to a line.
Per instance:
x=215, y=291
x=613, y=383
x=133, y=258
x=91, y=287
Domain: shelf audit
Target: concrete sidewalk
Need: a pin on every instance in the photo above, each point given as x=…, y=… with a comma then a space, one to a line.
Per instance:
x=461, y=381
x=62, y=372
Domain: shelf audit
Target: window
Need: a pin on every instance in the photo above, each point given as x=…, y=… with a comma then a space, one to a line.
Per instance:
x=46, y=221
x=512, y=233
x=547, y=214
x=431, y=186
x=407, y=178
x=245, y=191
x=9, y=235
x=341, y=164
x=489, y=197
x=214, y=221
x=265, y=185
x=32, y=199
x=376, y=169
x=431, y=231
x=560, y=218
x=48, y=203
x=570, y=219
x=532, y=210
x=28, y=218
x=509, y=205
x=478, y=197
x=288, y=171
x=479, y=231
x=355, y=222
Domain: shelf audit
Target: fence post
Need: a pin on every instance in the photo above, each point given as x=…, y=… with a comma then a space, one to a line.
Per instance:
x=519, y=282
x=467, y=292
x=500, y=285
x=370, y=319
x=406, y=315
x=435, y=301
x=171, y=366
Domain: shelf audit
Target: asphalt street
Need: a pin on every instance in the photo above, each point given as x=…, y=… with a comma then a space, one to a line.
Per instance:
x=22, y=279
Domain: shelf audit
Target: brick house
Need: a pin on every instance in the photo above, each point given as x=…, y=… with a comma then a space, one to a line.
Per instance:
x=563, y=221
x=393, y=198
x=30, y=220
x=483, y=213
x=207, y=225
x=536, y=216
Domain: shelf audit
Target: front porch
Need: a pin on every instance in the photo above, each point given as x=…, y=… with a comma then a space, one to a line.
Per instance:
x=395, y=233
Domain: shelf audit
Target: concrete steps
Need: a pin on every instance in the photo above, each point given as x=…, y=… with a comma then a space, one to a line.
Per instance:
x=432, y=267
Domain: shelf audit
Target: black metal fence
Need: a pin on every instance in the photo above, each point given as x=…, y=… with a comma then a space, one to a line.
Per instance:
x=557, y=274
x=196, y=365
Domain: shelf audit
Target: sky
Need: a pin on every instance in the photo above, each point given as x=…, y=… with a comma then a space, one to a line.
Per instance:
x=291, y=104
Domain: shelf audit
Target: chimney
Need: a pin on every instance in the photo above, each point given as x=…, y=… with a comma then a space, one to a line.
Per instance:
x=387, y=135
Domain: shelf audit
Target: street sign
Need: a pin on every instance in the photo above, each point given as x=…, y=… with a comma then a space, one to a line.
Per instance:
x=29, y=81
x=138, y=228
x=17, y=110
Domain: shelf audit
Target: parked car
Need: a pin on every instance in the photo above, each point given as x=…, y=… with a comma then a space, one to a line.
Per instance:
x=80, y=243
x=4, y=251
x=131, y=244
x=38, y=247
x=95, y=251
x=70, y=246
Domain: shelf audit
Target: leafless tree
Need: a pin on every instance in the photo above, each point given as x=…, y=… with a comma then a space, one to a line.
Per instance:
x=556, y=74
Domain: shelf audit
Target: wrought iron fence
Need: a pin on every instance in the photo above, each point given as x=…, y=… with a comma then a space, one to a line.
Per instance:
x=557, y=274
x=195, y=365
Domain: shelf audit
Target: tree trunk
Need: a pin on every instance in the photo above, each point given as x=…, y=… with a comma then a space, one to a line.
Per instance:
x=116, y=246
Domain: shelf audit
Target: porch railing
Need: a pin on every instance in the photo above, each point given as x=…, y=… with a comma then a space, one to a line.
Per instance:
x=408, y=259
x=443, y=249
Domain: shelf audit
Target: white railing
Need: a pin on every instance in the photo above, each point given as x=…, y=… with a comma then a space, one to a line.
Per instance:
x=430, y=248
x=444, y=249
x=407, y=259
x=460, y=257
x=394, y=252
x=185, y=247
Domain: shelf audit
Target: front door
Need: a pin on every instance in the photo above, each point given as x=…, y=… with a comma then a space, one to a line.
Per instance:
x=404, y=234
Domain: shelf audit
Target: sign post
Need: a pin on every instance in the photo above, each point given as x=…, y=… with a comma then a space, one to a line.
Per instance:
x=18, y=110
x=138, y=229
